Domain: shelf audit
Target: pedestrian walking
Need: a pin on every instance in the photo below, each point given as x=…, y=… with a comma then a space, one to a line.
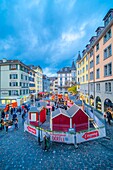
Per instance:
x=109, y=116
x=2, y=123
x=11, y=111
x=6, y=125
x=2, y=114
x=14, y=116
x=16, y=123
x=23, y=118
x=19, y=110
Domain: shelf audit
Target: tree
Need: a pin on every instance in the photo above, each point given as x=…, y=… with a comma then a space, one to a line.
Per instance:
x=73, y=89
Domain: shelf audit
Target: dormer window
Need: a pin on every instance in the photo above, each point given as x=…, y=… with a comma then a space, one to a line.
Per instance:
x=97, y=47
x=13, y=67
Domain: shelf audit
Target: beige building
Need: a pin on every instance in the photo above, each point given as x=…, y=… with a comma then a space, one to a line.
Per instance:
x=100, y=66
x=82, y=75
x=38, y=78
x=14, y=81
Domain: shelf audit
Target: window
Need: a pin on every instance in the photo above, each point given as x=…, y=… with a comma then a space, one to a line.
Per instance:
x=91, y=75
x=86, y=77
x=107, y=36
x=20, y=92
x=13, y=92
x=98, y=73
x=83, y=78
x=83, y=70
x=97, y=47
x=13, y=84
x=91, y=64
x=108, y=70
x=109, y=51
x=60, y=79
x=13, y=67
x=22, y=76
x=86, y=67
x=97, y=59
x=108, y=87
x=98, y=87
x=91, y=53
x=13, y=76
x=105, y=53
x=86, y=57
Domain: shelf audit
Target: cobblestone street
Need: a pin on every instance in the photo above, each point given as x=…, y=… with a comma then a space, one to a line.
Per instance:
x=20, y=150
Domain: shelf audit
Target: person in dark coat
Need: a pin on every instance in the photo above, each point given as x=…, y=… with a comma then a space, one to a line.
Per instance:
x=53, y=108
x=109, y=116
x=3, y=114
x=6, y=125
x=11, y=111
x=14, y=116
x=2, y=123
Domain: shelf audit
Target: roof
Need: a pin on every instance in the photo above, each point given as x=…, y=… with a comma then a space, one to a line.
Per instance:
x=73, y=110
x=79, y=57
x=41, y=104
x=99, y=28
x=65, y=70
x=58, y=112
x=33, y=109
x=73, y=66
x=111, y=10
x=12, y=62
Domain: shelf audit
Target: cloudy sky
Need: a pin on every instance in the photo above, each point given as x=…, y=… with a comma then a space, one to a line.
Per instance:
x=48, y=33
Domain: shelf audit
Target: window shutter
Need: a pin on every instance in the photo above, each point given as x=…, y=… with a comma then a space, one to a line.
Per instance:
x=10, y=76
x=16, y=76
x=16, y=83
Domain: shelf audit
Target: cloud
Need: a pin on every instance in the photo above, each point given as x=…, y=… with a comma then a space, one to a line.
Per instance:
x=47, y=32
x=50, y=72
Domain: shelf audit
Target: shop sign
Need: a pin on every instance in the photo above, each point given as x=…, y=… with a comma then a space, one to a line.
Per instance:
x=32, y=130
x=89, y=135
x=58, y=137
x=5, y=93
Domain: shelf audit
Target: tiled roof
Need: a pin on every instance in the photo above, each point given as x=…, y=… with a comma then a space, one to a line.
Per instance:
x=65, y=70
x=79, y=57
x=58, y=112
x=33, y=109
x=73, y=110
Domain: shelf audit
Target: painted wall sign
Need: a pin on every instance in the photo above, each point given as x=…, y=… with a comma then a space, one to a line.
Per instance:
x=89, y=135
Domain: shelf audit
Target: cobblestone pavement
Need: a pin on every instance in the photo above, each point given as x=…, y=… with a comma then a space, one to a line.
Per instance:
x=20, y=151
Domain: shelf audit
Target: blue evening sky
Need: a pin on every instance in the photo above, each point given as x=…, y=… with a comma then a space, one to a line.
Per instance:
x=48, y=33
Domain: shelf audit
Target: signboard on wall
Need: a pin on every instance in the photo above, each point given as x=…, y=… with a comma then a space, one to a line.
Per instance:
x=4, y=93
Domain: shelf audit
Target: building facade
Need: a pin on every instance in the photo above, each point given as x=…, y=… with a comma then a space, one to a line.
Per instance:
x=14, y=81
x=46, y=84
x=38, y=78
x=53, y=85
x=100, y=66
x=66, y=78
x=82, y=75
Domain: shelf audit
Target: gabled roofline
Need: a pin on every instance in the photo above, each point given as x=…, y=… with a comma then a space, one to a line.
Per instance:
x=59, y=114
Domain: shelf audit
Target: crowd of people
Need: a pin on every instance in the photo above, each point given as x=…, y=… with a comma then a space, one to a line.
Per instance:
x=10, y=117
